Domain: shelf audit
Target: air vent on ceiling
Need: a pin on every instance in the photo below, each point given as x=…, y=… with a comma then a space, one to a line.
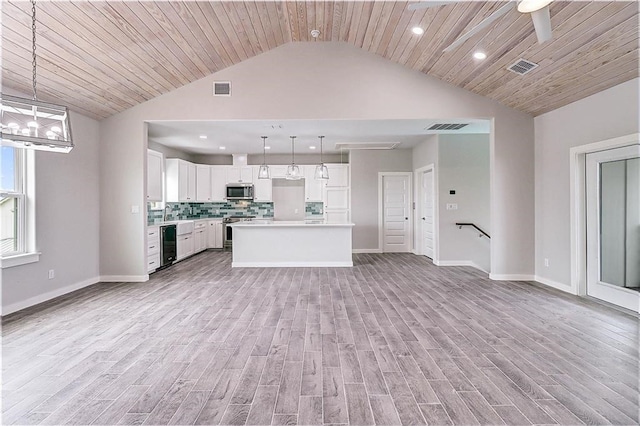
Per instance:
x=221, y=88
x=366, y=145
x=447, y=126
x=522, y=66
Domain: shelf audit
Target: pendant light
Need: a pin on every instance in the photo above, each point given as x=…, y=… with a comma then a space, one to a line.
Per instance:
x=293, y=171
x=322, y=172
x=31, y=124
x=263, y=172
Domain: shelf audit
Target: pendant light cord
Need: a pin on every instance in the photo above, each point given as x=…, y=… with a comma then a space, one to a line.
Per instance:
x=264, y=150
x=33, y=33
x=321, y=138
x=293, y=154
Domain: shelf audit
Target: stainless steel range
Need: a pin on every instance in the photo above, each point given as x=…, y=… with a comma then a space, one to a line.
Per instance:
x=228, y=230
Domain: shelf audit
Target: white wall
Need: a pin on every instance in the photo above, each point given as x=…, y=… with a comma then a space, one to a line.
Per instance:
x=317, y=81
x=463, y=166
x=365, y=166
x=605, y=115
x=67, y=223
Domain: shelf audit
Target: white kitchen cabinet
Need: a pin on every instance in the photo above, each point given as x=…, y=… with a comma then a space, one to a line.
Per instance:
x=214, y=234
x=336, y=216
x=338, y=175
x=203, y=183
x=263, y=188
x=199, y=240
x=313, y=188
x=155, y=168
x=181, y=180
x=218, y=182
x=153, y=248
x=185, y=246
x=336, y=198
x=278, y=172
x=240, y=174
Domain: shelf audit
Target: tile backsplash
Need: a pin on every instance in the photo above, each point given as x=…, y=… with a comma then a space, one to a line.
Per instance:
x=193, y=211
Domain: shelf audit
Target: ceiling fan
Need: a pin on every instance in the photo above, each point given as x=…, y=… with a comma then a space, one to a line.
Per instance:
x=538, y=9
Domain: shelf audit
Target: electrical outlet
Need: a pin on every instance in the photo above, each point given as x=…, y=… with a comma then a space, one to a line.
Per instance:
x=452, y=206
x=52, y=274
x=546, y=263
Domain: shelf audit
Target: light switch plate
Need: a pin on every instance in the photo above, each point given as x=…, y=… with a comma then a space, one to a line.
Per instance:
x=135, y=209
x=452, y=206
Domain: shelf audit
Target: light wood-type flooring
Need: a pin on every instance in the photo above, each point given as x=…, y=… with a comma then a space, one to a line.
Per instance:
x=393, y=340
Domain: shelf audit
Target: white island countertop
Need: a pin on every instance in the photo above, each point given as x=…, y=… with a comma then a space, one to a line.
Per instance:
x=273, y=243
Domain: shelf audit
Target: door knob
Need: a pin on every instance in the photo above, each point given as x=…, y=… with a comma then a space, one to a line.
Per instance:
x=406, y=218
x=424, y=218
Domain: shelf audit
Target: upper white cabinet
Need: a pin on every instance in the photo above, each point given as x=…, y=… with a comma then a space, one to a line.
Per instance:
x=338, y=175
x=336, y=198
x=155, y=166
x=313, y=187
x=263, y=188
x=218, y=183
x=203, y=183
x=240, y=174
x=181, y=180
x=278, y=172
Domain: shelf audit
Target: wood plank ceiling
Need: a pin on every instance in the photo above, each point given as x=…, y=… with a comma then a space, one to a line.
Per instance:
x=102, y=57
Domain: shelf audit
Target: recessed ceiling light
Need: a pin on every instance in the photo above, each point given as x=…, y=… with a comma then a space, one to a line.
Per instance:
x=312, y=147
x=203, y=136
x=222, y=148
x=480, y=55
x=417, y=30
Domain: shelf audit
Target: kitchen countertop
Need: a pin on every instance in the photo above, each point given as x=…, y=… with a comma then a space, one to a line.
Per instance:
x=288, y=223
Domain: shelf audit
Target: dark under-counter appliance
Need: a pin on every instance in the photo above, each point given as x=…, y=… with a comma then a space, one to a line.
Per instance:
x=239, y=191
x=168, y=245
x=228, y=230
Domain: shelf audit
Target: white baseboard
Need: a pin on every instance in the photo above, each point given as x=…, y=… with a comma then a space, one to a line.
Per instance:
x=124, y=278
x=459, y=263
x=555, y=284
x=291, y=264
x=18, y=306
x=512, y=277
x=366, y=250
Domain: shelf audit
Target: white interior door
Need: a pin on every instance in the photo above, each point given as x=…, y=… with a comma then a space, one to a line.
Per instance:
x=613, y=226
x=396, y=208
x=427, y=210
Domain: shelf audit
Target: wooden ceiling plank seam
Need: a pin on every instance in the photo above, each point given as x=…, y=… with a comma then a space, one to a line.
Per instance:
x=75, y=86
x=319, y=19
x=383, y=21
x=336, y=28
x=75, y=78
x=292, y=14
x=165, y=59
x=217, y=30
x=372, y=25
x=249, y=24
x=586, y=54
x=461, y=58
x=327, y=24
x=112, y=36
x=400, y=35
x=390, y=27
x=310, y=18
x=355, y=22
x=345, y=26
x=365, y=21
x=284, y=20
x=230, y=30
x=301, y=18
x=208, y=53
x=574, y=70
x=70, y=51
x=268, y=29
x=214, y=42
x=535, y=52
x=180, y=33
x=51, y=92
x=437, y=17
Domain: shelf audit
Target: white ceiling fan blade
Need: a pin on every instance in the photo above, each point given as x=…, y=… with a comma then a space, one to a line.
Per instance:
x=542, y=23
x=482, y=25
x=428, y=4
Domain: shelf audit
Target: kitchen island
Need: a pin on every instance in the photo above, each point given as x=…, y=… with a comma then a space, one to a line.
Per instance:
x=266, y=243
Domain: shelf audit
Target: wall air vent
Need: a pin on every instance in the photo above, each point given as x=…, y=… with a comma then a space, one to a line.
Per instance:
x=522, y=66
x=366, y=145
x=448, y=126
x=221, y=88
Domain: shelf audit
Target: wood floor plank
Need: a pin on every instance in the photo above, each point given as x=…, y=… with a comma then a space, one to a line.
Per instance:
x=393, y=340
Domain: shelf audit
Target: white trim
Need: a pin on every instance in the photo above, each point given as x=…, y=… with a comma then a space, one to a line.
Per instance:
x=124, y=278
x=417, y=212
x=291, y=264
x=459, y=263
x=381, y=175
x=554, y=284
x=375, y=250
x=35, y=300
x=578, y=206
x=19, y=259
x=512, y=277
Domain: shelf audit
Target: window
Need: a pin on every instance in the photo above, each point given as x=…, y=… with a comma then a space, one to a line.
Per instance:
x=15, y=218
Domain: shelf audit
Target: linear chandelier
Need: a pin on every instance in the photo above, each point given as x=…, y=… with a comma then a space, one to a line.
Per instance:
x=30, y=123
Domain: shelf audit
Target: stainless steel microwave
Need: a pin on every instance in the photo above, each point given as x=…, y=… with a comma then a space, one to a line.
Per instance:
x=239, y=191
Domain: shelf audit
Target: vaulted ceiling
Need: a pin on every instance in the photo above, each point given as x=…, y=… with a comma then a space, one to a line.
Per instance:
x=102, y=57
